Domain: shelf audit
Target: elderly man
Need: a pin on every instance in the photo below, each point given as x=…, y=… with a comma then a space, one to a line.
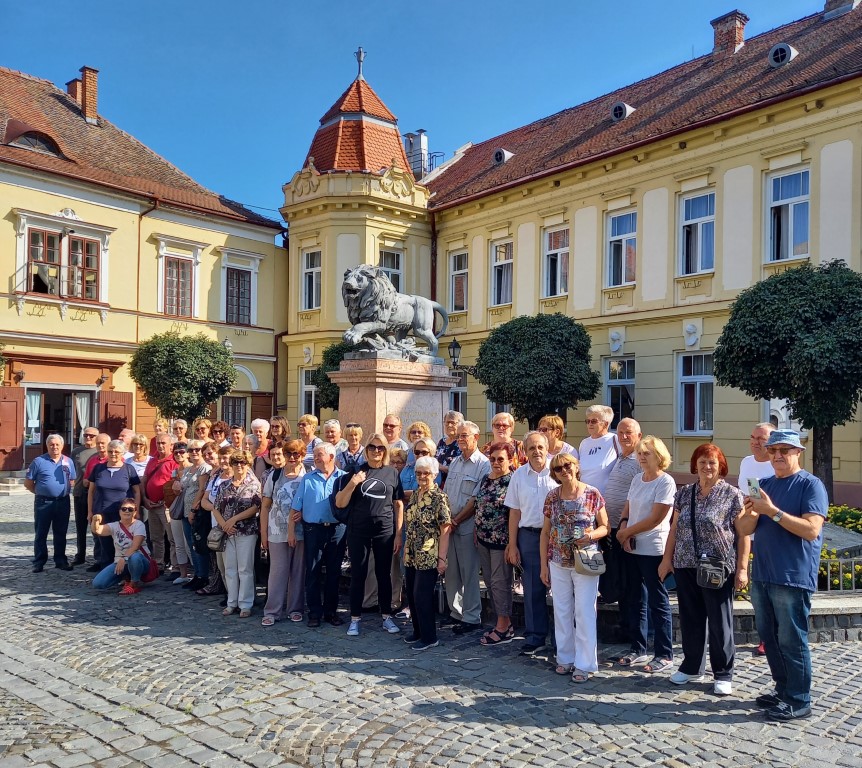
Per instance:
x=502, y=426
x=126, y=436
x=612, y=581
x=157, y=473
x=525, y=498
x=81, y=454
x=324, y=537
x=332, y=434
x=392, y=432
x=50, y=476
x=788, y=518
x=462, y=571
x=599, y=450
x=237, y=437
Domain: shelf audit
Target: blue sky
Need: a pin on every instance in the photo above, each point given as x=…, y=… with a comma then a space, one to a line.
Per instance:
x=232, y=92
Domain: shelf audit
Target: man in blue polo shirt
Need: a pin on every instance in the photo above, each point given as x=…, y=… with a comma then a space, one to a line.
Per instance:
x=788, y=518
x=50, y=476
x=324, y=535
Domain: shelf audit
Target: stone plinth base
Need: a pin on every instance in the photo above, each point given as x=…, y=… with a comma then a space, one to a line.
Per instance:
x=372, y=387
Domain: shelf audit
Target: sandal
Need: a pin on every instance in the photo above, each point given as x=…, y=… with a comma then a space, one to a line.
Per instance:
x=562, y=669
x=658, y=665
x=229, y=611
x=296, y=616
x=630, y=659
x=579, y=676
x=495, y=638
x=244, y=613
x=267, y=621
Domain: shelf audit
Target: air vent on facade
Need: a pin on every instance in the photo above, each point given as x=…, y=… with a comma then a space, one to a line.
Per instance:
x=620, y=111
x=501, y=156
x=781, y=54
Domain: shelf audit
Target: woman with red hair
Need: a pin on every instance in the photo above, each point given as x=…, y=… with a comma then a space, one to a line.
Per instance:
x=703, y=533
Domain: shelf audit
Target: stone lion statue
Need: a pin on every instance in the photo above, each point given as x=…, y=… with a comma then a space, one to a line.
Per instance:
x=382, y=317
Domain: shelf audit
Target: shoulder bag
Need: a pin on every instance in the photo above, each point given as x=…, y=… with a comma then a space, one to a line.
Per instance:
x=216, y=540
x=712, y=572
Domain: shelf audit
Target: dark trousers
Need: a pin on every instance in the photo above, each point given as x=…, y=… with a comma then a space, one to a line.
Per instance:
x=612, y=581
x=642, y=571
x=359, y=545
x=420, y=599
x=50, y=515
x=81, y=525
x=702, y=610
x=535, y=591
x=324, y=548
x=103, y=546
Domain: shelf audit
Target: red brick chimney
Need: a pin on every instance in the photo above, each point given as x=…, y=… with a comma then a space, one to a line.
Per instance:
x=835, y=8
x=90, y=94
x=73, y=88
x=729, y=32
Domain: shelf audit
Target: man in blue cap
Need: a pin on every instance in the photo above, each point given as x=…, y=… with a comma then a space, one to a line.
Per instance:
x=788, y=518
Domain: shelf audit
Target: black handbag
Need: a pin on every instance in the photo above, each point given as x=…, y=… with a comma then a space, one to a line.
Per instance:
x=712, y=572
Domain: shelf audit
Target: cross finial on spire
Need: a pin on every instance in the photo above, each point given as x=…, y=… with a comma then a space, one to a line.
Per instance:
x=360, y=57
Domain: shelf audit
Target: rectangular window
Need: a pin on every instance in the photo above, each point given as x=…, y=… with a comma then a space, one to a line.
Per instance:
x=622, y=248
x=620, y=387
x=788, y=212
x=43, y=266
x=458, y=285
x=556, y=263
x=311, y=272
x=458, y=393
x=233, y=410
x=390, y=265
x=308, y=393
x=178, y=287
x=697, y=238
x=501, y=273
x=696, y=384
x=494, y=409
x=238, y=296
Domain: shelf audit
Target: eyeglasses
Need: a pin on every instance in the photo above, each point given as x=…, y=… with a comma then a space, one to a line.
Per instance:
x=352, y=425
x=114, y=450
x=423, y=474
x=127, y=509
x=416, y=432
x=421, y=453
x=293, y=455
x=546, y=429
x=378, y=448
x=139, y=443
x=239, y=462
x=783, y=450
x=502, y=425
x=498, y=459
x=592, y=421
x=194, y=450
x=568, y=468
x=178, y=450
x=90, y=437
x=217, y=431
x=390, y=426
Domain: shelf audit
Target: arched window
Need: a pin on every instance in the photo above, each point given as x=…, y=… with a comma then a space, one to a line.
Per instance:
x=37, y=141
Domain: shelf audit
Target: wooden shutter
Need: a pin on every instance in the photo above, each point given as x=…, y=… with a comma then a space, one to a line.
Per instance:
x=11, y=428
x=115, y=412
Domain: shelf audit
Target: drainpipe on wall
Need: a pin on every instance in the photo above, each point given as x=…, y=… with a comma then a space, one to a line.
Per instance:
x=279, y=336
x=147, y=212
x=433, y=257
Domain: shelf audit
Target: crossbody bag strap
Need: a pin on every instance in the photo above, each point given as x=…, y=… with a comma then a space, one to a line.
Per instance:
x=697, y=553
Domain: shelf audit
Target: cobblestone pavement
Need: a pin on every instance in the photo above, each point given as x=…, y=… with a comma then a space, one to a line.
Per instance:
x=163, y=679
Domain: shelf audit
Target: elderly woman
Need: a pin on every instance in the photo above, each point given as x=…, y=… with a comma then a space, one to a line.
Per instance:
x=175, y=501
x=424, y=446
x=286, y=586
x=180, y=429
x=160, y=427
x=492, y=536
x=553, y=428
x=600, y=449
x=201, y=429
x=110, y=483
x=236, y=507
x=703, y=524
x=352, y=456
x=417, y=430
x=643, y=532
x=575, y=518
x=131, y=558
x=425, y=551
x=502, y=426
x=190, y=489
x=373, y=497
x=220, y=474
x=260, y=431
x=140, y=457
x=279, y=429
x=219, y=433
x=447, y=446
x=305, y=429
x=332, y=434
x=398, y=459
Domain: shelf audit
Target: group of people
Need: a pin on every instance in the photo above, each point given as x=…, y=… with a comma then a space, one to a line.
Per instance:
x=603, y=521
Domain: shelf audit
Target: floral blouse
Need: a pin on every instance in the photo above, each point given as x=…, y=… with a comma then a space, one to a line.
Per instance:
x=424, y=515
x=446, y=454
x=569, y=519
x=232, y=500
x=714, y=517
x=492, y=515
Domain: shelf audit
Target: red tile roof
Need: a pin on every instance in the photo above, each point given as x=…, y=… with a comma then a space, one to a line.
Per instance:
x=100, y=154
x=701, y=91
x=358, y=133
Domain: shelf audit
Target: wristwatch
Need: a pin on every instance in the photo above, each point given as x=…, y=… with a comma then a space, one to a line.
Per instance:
x=776, y=518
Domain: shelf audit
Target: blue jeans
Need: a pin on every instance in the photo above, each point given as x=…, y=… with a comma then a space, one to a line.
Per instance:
x=324, y=546
x=136, y=566
x=642, y=571
x=535, y=591
x=200, y=562
x=781, y=614
x=50, y=514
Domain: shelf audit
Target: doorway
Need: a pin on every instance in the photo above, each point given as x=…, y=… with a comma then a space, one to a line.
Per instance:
x=50, y=410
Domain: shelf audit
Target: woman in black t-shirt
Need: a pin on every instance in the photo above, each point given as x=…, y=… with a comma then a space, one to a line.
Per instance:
x=373, y=498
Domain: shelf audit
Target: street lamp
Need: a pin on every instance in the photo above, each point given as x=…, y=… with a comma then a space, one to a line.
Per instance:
x=454, y=349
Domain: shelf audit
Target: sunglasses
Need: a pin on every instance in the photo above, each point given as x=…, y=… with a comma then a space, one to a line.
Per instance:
x=293, y=455
x=376, y=448
x=592, y=421
x=566, y=468
x=90, y=437
x=498, y=459
x=783, y=450
x=179, y=450
x=239, y=462
x=421, y=453
x=139, y=443
x=194, y=450
x=127, y=509
x=546, y=429
x=217, y=431
x=389, y=426
x=352, y=425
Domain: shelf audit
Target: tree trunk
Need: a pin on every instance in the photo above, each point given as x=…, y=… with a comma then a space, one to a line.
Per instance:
x=822, y=463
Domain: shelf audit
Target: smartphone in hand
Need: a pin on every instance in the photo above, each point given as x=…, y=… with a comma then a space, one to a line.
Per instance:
x=754, y=488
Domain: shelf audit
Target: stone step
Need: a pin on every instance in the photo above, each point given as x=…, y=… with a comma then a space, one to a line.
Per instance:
x=12, y=486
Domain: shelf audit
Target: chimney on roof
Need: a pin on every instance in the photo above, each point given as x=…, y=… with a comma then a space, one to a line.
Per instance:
x=90, y=95
x=73, y=88
x=729, y=32
x=835, y=8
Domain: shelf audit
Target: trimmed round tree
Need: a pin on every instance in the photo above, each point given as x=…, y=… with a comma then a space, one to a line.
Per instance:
x=796, y=335
x=538, y=365
x=182, y=375
x=327, y=390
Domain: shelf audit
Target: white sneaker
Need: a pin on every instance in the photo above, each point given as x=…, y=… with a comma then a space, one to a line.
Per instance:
x=353, y=629
x=390, y=626
x=182, y=580
x=681, y=678
x=722, y=688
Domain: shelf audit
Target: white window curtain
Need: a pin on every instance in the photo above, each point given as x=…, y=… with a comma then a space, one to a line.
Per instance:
x=82, y=412
x=33, y=403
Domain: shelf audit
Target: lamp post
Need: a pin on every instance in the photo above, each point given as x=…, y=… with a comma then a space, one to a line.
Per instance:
x=454, y=349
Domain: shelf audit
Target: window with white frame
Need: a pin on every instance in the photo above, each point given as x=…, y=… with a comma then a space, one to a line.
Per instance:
x=501, y=272
x=458, y=393
x=620, y=387
x=788, y=216
x=696, y=383
x=308, y=402
x=179, y=287
x=390, y=265
x=494, y=409
x=458, y=284
x=179, y=263
x=239, y=271
x=311, y=279
x=622, y=248
x=556, y=263
x=233, y=410
x=697, y=235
